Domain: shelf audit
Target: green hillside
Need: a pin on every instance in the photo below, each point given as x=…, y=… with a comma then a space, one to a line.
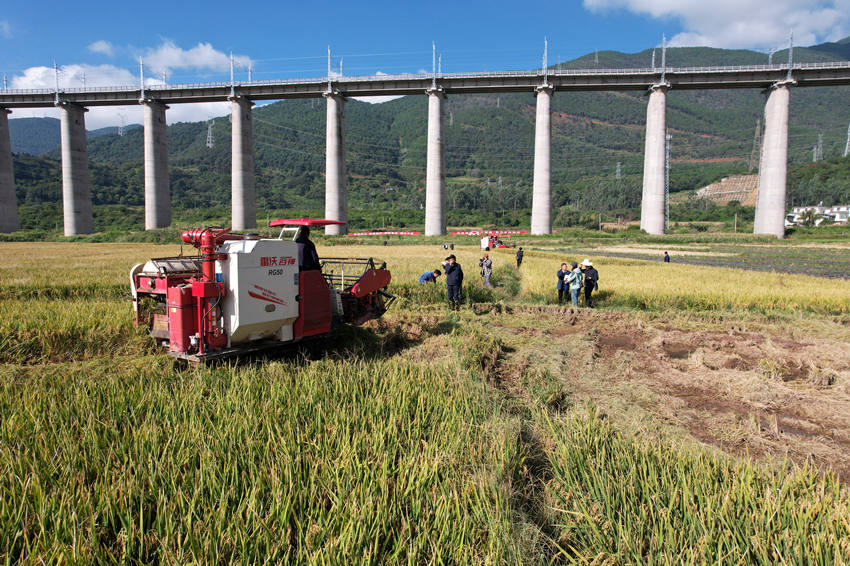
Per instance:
x=489, y=146
x=35, y=136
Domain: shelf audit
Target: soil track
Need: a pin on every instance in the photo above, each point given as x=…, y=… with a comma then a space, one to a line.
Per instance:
x=761, y=392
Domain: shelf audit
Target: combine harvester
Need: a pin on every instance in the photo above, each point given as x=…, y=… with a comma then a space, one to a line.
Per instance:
x=243, y=293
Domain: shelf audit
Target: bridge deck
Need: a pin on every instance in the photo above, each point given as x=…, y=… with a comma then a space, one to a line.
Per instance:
x=681, y=78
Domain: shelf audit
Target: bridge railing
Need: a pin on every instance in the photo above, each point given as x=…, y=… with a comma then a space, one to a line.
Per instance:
x=648, y=72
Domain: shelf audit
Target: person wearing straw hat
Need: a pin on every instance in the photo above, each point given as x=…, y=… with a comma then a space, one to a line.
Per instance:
x=591, y=278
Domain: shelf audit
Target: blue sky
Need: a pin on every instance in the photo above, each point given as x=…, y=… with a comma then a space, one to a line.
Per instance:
x=99, y=42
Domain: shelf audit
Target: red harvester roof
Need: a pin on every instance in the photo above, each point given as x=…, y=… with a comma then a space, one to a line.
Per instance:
x=303, y=222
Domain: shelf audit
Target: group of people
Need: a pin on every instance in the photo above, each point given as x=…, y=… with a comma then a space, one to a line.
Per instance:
x=454, y=279
x=572, y=280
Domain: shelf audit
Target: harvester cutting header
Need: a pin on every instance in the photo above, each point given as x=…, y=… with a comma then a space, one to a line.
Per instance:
x=244, y=293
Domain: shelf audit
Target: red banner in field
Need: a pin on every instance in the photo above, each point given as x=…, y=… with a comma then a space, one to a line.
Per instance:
x=491, y=232
x=384, y=234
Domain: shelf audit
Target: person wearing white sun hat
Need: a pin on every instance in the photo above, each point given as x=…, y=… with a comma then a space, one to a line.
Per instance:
x=591, y=278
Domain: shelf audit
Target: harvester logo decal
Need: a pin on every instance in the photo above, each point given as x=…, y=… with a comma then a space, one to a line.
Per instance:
x=274, y=261
x=266, y=295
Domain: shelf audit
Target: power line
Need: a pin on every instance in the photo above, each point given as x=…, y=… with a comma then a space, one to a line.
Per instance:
x=756, y=146
x=847, y=144
x=667, y=138
x=210, y=140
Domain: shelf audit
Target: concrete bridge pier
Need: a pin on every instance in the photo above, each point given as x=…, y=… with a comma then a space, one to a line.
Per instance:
x=76, y=183
x=8, y=200
x=336, y=198
x=652, y=215
x=243, y=197
x=541, y=196
x=435, y=178
x=773, y=169
x=157, y=193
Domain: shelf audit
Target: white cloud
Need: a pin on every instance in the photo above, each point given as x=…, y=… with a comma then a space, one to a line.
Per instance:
x=743, y=23
x=377, y=99
x=103, y=47
x=201, y=57
x=5, y=29
x=71, y=76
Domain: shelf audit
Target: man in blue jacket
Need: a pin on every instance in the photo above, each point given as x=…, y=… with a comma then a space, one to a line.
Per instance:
x=429, y=277
x=454, y=280
x=562, y=286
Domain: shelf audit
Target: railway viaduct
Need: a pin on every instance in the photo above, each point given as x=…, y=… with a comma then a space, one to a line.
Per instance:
x=775, y=80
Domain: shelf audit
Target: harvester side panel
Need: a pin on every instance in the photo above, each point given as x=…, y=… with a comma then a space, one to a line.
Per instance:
x=315, y=305
x=261, y=278
x=182, y=318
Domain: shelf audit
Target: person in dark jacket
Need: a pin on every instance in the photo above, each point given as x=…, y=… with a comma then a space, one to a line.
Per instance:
x=591, y=278
x=563, y=289
x=666, y=257
x=308, y=258
x=519, y=255
x=454, y=281
x=429, y=277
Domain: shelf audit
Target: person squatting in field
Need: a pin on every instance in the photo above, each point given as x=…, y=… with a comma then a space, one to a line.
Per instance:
x=429, y=277
x=454, y=281
x=562, y=285
x=486, y=265
x=574, y=280
x=591, y=281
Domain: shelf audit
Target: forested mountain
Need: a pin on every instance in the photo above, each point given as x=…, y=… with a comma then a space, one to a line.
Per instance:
x=489, y=145
x=35, y=136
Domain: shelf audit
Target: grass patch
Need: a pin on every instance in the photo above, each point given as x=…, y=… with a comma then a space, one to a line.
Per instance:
x=621, y=500
x=340, y=462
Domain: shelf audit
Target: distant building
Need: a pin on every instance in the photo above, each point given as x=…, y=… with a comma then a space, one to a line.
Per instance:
x=837, y=214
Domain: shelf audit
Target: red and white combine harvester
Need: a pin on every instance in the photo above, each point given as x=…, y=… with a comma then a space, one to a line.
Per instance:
x=243, y=293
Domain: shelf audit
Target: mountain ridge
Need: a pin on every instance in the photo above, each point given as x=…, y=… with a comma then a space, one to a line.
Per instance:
x=489, y=145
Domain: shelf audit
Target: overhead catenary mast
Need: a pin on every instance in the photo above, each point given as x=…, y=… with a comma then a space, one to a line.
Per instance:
x=790, y=54
x=141, y=80
x=545, y=57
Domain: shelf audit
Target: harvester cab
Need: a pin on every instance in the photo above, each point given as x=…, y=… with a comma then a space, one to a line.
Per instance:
x=242, y=293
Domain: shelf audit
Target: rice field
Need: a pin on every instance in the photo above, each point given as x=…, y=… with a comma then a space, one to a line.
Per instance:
x=404, y=442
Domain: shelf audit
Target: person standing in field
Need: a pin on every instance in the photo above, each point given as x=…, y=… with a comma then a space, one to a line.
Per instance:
x=454, y=281
x=574, y=280
x=486, y=265
x=429, y=277
x=591, y=278
x=519, y=255
x=666, y=257
x=562, y=285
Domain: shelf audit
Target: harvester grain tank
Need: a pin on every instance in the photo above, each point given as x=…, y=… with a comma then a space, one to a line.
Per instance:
x=242, y=293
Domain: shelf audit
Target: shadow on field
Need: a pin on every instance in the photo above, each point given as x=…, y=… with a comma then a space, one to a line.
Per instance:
x=378, y=339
